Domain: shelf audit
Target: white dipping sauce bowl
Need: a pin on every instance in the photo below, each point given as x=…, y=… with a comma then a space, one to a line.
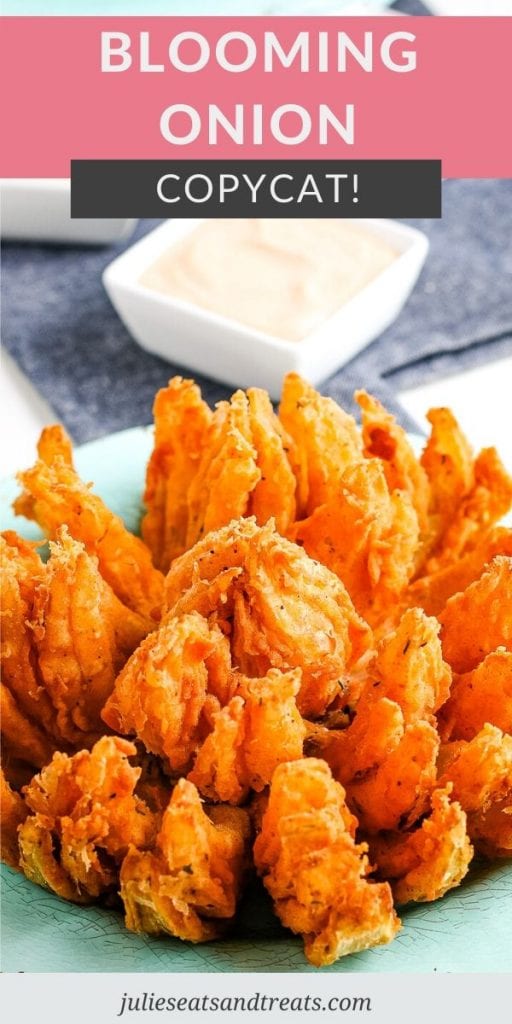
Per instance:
x=219, y=347
x=39, y=210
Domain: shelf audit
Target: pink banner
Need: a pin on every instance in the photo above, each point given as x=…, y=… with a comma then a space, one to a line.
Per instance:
x=276, y=88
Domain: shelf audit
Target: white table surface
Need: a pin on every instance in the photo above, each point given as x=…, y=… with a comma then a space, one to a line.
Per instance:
x=480, y=398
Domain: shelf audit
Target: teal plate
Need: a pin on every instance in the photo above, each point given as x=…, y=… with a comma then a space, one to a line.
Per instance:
x=469, y=930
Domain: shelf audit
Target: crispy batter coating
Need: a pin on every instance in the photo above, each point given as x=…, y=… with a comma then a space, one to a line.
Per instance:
x=351, y=752
x=189, y=886
x=302, y=786
x=313, y=869
x=28, y=717
x=326, y=441
x=481, y=773
x=387, y=767
x=291, y=612
x=82, y=637
x=215, y=560
x=259, y=729
x=481, y=770
x=274, y=494
x=409, y=667
x=367, y=536
x=483, y=695
x=55, y=443
x=423, y=865
x=21, y=556
x=467, y=495
x=304, y=557
x=181, y=424
x=54, y=495
x=489, y=499
x=65, y=637
x=395, y=794
x=448, y=462
x=12, y=814
x=491, y=829
x=161, y=693
x=228, y=470
x=283, y=610
x=213, y=599
x=22, y=569
x=244, y=469
x=385, y=439
x=431, y=592
x=479, y=620
x=84, y=817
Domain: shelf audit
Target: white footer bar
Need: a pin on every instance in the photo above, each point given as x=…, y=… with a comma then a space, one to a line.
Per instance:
x=269, y=998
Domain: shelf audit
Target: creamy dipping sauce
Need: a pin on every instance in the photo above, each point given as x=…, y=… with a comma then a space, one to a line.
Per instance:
x=282, y=277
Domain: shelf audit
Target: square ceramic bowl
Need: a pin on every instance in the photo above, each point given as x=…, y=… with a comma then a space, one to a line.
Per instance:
x=228, y=351
x=39, y=210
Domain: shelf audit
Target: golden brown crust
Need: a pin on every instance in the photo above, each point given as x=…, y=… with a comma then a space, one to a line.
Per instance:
x=432, y=592
x=162, y=693
x=257, y=631
x=181, y=424
x=28, y=719
x=409, y=667
x=386, y=757
x=82, y=636
x=468, y=495
x=281, y=609
x=491, y=829
x=274, y=494
x=367, y=536
x=189, y=886
x=489, y=499
x=259, y=729
x=423, y=865
x=481, y=770
x=54, y=495
x=313, y=869
x=480, y=696
x=54, y=443
x=83, y=817
x=478, y=621
x=481, y=774
x=326, y=441
x=388, y=768
x=227, y=473
x=383, y=438
x=65, y=636
x=22, y=571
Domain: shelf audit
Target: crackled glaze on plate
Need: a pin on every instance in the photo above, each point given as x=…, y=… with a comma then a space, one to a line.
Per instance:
x=469, y=930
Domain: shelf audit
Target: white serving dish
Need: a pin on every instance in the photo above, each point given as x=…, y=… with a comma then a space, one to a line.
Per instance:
x=241, y=356
x=38, y=210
